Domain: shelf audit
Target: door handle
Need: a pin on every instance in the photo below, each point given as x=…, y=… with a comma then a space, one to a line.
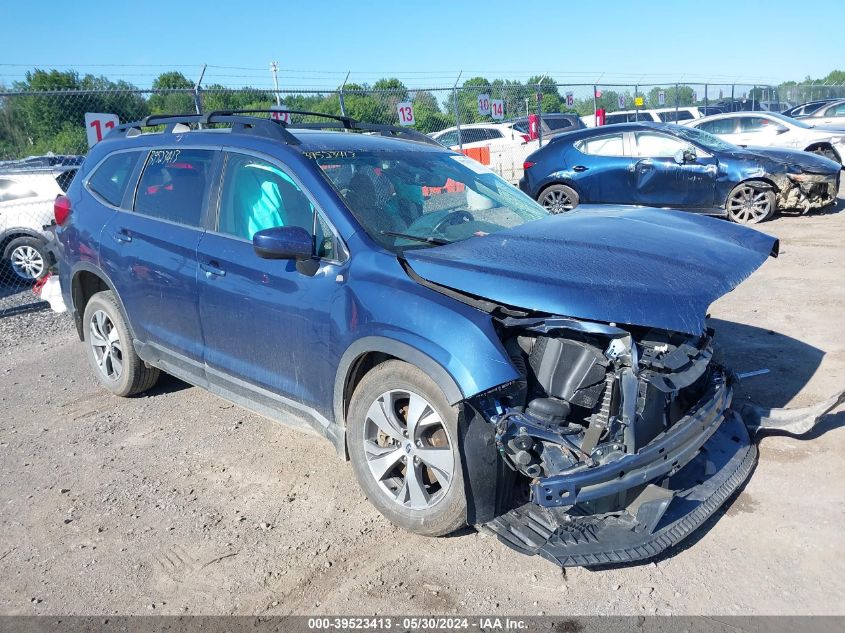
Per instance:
x=645, y=163
x=212, y=269
x=580, y=168
x=122, y=236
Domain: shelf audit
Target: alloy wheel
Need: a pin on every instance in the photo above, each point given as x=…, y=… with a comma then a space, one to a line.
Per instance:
x=749, y=205
x=106, y=345
x=557, y=201
x=408, y=449
x=27, y=262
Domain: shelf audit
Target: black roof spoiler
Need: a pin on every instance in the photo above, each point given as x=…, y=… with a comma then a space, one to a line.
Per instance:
x=243, y=123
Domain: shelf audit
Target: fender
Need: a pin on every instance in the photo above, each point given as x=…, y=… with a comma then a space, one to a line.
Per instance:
x=399, y=350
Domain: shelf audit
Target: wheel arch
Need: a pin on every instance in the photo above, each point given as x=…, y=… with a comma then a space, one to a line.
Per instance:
x=365, y=353
x=559, y=181
x=14, y=233
x=86, y=281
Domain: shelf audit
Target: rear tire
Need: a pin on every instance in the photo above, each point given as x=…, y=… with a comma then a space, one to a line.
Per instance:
x=750, y=203
x=109, y=348
x=558, y=198
x=402, y=436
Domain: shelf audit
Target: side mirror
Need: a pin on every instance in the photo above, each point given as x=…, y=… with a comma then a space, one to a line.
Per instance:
x=284, y=242
x=780, y=129
x=684, y=156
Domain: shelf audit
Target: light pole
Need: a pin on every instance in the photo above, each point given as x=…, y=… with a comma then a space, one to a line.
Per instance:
x=274, y=68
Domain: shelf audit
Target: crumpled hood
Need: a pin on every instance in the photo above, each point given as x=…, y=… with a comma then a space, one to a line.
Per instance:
x=628, y=265
x=807, y=161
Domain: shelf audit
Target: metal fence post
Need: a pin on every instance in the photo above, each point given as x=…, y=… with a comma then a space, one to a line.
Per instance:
x=706, y=112
x=340, y=95
x=197, y=94
x=733, y=86
x=677, y=101
x=457, y=111
x=595, y=105
x=636, y=107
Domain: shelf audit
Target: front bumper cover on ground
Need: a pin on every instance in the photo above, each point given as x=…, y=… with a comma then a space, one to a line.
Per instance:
x=666, y=515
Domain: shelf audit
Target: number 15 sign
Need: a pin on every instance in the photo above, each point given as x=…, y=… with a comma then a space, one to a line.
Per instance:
x=97, y=125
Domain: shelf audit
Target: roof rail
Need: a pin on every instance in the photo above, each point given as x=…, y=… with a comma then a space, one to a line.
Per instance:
x=339, y=121
x=243, y=123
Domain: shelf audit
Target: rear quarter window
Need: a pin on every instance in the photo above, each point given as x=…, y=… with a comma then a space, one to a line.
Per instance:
x=110, y=178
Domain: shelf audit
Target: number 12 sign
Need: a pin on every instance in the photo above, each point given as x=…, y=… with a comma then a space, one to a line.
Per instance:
x=406, y=112
x=97, y=125
x=497, y=109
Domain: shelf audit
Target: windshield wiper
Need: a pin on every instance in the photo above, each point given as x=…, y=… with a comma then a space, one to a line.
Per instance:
x=417, y=238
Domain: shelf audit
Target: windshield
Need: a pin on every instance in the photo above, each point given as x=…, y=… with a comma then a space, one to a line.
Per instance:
x=416, y=199
x=706, y=140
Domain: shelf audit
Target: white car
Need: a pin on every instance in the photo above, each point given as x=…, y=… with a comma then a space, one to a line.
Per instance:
x=507, y=146
x=832, y=113
x=26, y=206
x=658, y=115
x=770, y=129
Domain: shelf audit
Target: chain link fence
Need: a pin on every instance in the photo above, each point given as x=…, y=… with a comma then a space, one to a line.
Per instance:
x=45, y=135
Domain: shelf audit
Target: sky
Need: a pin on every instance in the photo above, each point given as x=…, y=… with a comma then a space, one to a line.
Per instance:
x=425, y=43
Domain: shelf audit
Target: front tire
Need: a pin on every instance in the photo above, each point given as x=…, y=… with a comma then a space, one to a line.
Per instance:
x=750, y=203
x=558, y=198
x=402, y=436
x=109, y=348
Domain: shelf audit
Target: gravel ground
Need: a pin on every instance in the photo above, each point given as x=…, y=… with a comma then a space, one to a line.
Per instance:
x=178, y=502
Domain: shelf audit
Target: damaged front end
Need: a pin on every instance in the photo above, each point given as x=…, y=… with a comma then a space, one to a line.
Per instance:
x=806, y=191
x=622, y=443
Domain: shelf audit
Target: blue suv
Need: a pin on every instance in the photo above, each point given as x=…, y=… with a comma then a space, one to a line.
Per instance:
x=479, y=360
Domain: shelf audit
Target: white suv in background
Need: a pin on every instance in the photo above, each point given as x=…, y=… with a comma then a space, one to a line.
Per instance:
x=27, y=195
x=657, y=115
x=770, y=129
x=508, y=147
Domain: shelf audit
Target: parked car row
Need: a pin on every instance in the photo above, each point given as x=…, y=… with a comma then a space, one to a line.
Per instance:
x=505, y=145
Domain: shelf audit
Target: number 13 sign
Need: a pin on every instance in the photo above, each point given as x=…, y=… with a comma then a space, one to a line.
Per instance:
x=97, y=125
x=406, y=112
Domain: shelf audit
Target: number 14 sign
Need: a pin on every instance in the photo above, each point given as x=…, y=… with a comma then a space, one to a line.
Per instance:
x=97, y=125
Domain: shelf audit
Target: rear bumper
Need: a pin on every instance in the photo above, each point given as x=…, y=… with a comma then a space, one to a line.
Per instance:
x=668, y=514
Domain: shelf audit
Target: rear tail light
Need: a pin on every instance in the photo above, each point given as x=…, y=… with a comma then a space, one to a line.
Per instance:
x=528, y=164
x=526, y=137
x=61, y=209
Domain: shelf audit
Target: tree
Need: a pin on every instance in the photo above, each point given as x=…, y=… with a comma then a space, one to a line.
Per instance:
x=172, y=96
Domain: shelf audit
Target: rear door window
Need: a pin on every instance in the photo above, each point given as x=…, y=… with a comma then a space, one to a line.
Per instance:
x=111, y=178
x=448, y=139
x=174, y=185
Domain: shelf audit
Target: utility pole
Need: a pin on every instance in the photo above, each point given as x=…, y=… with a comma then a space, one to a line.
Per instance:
x=274, y=68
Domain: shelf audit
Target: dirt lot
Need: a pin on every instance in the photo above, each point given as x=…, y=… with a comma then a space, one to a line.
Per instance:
x=177, y=502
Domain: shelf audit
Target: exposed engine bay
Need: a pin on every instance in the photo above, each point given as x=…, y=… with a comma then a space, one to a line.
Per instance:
x=588, y=401
x=806, y=191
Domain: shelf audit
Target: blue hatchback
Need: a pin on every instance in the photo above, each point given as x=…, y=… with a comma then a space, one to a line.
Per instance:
x=666, y=165
x=479, y=360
